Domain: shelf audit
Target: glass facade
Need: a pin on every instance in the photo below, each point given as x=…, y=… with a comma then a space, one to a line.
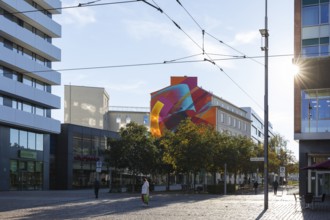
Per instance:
x=315, y=13
x=87, y=150
x=26, y=171
x=315, y=110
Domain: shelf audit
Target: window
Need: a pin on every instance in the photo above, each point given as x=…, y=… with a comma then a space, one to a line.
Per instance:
x=310, y=15
x=27, y=107
x=324, y=13
x=8, y=44
x=13, y=137
x=39, y=142
x=39, y=111
x=31, y=140
x=27, y=80
x=315, y=110
x=23, y=139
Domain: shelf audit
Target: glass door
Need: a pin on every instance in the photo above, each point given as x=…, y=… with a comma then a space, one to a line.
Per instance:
x=323, y=182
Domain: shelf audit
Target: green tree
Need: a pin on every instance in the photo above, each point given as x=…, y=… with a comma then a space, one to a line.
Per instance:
x=134, y=150
x=188, y=149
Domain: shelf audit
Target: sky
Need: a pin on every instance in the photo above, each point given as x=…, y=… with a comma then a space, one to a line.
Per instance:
x=132, y=49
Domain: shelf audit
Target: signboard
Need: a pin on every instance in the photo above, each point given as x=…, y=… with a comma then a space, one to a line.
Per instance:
x=27, y=154
x=98, y=166
x=256, y=159
x=282, y=171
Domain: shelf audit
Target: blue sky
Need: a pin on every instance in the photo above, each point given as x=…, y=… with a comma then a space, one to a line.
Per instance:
x=136, y=33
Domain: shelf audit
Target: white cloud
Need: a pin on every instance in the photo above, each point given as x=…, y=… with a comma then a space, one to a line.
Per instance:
x=80, y=16
x=246, y=37
x=172, y=36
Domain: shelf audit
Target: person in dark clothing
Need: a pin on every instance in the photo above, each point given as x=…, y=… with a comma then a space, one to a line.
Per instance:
x=96, y=188
x=255, y=186
x=275, y=186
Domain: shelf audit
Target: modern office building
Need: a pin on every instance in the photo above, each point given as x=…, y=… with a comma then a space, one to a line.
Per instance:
x=85, y=106
x=183, y=99
x=120, y=116
x=78, y=156
x=312, y=92
x=26, y=100
x=257, y=126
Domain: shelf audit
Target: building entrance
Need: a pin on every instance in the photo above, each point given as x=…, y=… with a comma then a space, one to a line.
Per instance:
x=25, y=175
x=323, y=182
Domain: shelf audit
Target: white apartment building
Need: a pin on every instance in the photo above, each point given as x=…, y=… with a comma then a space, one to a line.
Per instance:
x=257, y=126
x=26, y=100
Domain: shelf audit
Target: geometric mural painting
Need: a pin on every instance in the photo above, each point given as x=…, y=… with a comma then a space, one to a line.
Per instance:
x=182, y=99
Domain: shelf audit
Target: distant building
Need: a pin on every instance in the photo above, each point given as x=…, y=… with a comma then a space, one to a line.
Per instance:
x=26, y=99
x=183, y=99
x=257, y=126
x=120, y=116
x=85, y=106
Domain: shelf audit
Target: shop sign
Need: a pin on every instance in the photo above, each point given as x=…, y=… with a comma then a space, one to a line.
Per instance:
x=27, y=154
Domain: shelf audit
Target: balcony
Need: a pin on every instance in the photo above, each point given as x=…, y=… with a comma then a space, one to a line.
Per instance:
x=37, y=18
x=27, y=39
x=23, y=119
x=22, y=63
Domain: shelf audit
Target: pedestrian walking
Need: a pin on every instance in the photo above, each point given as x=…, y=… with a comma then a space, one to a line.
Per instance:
x=96, y=188
x=275, y=186
x=255, y=186
x=145, y=192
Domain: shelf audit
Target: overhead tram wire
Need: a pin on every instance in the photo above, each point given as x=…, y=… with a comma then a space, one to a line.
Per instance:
x=174, y=61
x=211, y=60
x=205, y=32
x=80, y=5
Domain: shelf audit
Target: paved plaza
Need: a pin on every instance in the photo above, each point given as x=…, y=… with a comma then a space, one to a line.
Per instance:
x=81, y=204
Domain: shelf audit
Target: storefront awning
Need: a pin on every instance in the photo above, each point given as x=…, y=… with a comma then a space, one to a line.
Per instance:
x=325, y=165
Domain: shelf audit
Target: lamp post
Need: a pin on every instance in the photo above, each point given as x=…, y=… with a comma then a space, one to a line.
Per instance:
x=264, y=33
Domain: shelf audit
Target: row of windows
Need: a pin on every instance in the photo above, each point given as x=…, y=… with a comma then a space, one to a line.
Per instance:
x=25, y=25
x=38, y=7
x=24, y=106
x=218, y=102
x=25, y=52
x=86, y=146
x=231, y=121
x=315, y=47
x=315, y=14
x=26, y=139
x=11, y=74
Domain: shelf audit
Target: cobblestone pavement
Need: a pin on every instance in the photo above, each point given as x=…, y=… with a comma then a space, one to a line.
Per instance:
x=81, y=204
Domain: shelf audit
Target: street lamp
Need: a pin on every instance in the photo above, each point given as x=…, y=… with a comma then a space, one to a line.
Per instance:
x=264, y=33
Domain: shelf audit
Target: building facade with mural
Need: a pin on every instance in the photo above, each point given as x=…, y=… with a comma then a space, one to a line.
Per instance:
x=184, y=99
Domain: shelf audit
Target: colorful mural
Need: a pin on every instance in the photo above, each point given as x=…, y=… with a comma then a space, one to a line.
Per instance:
x=180, y=100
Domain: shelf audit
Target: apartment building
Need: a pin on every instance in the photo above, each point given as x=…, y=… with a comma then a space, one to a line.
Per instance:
x=312, y=92
x=26, y=100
